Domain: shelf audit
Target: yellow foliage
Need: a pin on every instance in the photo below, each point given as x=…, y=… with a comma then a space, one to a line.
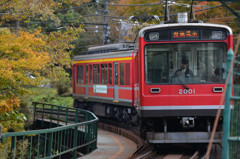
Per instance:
x=9, y=104
x=22, y=59
x=19, y=10
x=59, y=46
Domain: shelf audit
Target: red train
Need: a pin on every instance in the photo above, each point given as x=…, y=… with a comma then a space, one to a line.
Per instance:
x=169, y=83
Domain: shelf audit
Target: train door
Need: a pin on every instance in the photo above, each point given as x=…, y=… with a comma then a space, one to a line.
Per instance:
x=86, y=80
x=115, y=81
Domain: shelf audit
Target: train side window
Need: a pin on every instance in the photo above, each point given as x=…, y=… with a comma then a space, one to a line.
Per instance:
x=127, y=74
x=90, y=72
x=78, y=74
x=96, y=73
x=81, y=74
x=86, y=73
x=103, y=73
x=110, y=74
x=121, y=73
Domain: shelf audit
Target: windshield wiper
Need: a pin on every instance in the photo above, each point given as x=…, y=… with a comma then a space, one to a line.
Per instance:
x=182, y=83
x=185, y=86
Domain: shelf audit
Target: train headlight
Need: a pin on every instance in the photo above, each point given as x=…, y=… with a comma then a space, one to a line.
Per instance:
x=154, y=36
x=217, y=35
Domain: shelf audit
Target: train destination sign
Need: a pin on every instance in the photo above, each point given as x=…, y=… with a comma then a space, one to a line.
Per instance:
x=186, y=34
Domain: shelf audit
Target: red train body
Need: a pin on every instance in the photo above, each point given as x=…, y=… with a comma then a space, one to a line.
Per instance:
x=170, y=83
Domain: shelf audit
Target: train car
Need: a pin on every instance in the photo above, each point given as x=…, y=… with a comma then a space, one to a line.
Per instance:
x=180, y=76
x=102, y=81
x=169, y=85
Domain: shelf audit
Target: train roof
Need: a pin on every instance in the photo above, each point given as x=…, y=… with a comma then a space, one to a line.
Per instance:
x=111, y=54
x=107, y=51
x=109, y=48
x=142, y=31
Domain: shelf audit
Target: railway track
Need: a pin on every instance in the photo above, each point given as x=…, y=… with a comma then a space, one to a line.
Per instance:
x=146, y=150
x=152, y=154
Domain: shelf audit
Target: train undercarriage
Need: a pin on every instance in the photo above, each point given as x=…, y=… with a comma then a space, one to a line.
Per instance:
x=180, y=129
x=157, y=130
x=122, y=114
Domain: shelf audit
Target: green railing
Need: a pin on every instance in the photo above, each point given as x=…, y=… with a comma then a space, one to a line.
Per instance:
x=231, y=127
x=66, y=132
x=234, y=135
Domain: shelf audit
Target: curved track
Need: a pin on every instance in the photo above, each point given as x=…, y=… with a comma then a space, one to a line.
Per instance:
x=145, y=150
x=149, y=151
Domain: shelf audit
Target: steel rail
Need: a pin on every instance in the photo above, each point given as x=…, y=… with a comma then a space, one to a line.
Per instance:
x=144, y=150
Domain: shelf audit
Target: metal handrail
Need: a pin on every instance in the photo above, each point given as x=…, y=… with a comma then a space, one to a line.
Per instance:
x=57, y=138
x=234, y=129
x=231, y=124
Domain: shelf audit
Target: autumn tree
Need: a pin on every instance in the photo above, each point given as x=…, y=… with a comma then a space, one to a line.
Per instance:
x=23, y=10
x=22, y=58
x=59, y=47
x=134, y=9
x=25, y=58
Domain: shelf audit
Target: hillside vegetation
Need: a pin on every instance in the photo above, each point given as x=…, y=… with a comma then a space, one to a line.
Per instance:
x=50, y=96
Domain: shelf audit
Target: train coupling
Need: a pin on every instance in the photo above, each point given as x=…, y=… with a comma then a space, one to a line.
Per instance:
x=188, y=122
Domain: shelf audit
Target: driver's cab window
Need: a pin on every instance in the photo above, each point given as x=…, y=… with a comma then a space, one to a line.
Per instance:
x=211, y=65
x=180, y=58
x=185, y=63
x=183, y=66
x=157, y=65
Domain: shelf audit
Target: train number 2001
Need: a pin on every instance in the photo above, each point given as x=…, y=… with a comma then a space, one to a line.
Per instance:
x=186, y=91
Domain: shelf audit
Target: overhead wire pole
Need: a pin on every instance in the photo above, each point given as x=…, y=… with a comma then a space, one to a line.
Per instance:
x=166, y=17
x=105, y=24
x=192, y=14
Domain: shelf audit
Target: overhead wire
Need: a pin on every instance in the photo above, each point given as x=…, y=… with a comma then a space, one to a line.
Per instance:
x=135, y=5
x=118, y=17
x=122, y=17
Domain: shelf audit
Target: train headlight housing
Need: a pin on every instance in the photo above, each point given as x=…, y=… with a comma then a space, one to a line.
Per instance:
x=217, y=35
x=154, y=36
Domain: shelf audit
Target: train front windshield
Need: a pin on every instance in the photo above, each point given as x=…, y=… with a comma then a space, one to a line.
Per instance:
x=189, y=63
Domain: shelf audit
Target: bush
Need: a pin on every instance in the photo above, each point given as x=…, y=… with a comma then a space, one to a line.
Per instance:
x=63, y=85
x=60, y=80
